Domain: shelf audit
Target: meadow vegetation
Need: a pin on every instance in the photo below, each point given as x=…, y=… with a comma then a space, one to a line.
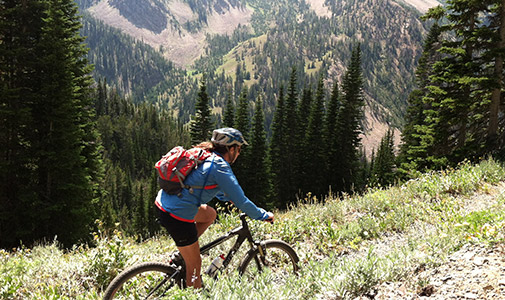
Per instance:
x=347, y=244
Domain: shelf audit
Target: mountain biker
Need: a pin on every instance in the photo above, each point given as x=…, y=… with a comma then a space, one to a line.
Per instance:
x=186, y=216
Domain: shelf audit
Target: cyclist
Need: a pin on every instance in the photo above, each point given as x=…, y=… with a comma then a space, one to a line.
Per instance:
x=186, y=216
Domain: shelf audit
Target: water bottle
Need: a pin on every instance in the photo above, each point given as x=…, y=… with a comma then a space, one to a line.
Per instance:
x=216, y=264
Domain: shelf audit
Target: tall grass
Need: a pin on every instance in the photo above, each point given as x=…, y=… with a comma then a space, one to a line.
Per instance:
x=347, y=245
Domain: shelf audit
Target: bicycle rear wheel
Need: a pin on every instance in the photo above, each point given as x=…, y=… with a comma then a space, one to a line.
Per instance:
x=280, y=259
x=150, y=280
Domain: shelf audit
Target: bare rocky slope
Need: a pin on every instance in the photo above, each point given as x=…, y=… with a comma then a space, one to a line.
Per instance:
x=422, y=5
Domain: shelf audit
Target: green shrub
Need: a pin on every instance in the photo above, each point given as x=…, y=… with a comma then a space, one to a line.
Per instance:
x=107, y=259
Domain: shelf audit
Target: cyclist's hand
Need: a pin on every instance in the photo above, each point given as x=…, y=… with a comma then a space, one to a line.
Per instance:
x=270, y=218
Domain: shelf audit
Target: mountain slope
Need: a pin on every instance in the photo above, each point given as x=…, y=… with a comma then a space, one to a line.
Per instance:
x=258, y=41
x=173, y=27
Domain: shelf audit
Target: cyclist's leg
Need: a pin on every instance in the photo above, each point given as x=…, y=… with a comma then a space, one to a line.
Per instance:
x=193, y=261
x=185, y=235
x=204, y=218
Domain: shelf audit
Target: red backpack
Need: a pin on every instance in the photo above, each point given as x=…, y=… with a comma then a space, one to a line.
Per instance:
x=175, y=166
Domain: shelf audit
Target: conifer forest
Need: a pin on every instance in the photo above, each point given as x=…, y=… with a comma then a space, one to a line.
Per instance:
x=76, y=150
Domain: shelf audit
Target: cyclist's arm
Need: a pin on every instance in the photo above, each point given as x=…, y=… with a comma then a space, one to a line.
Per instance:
x=232, y=191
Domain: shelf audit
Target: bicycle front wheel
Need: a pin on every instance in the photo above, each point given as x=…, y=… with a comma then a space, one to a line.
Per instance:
x=279, y=258
x=150, y=280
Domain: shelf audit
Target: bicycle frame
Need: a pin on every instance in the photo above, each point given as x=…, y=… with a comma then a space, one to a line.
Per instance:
x=243, y=234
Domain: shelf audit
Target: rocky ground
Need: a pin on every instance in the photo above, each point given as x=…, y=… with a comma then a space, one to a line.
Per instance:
x=473, y=272
x=476, y=271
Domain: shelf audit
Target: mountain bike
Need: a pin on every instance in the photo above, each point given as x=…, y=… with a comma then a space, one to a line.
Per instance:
x=152, y=280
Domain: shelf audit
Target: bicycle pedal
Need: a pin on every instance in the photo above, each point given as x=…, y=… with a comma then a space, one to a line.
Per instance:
x=176, y=258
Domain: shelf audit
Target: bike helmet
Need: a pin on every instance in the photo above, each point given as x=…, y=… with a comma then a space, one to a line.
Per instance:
x=228, y=137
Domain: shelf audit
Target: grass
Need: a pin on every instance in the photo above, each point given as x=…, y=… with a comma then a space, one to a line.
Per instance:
x=346, y=245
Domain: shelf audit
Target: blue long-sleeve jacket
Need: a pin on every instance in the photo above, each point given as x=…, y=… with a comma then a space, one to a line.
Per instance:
x=214, y=171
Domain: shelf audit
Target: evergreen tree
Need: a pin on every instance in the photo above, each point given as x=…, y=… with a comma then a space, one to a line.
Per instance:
x=152, y=225
x=382, y=171
x=63, y=146
x=291, y=142
x=242, y=123
x=315, y=145
x=277, y=147
x=495, y=136
x=229, y=113
x=201, y=123
x=303, y=113
x=450, y=91
x=349, y=124
x=460, y=95
x=133, y=137
x=413, y=151
x=140, y=216
x=258, y=167
x=330, y=137
x=302, y=116
x=20, y=30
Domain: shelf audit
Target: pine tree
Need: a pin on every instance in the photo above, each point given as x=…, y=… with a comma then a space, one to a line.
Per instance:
x=201, y=123
x=299, y=166
x=330, y=137
x=63, y=146
x=302, y=113
x=315, y=180
x=497, y=46
x=229, y=113
x=450, y=93
x=291, y=141
x=153, y=226
x=277, y=147
x=242, y=123
x=139, y=216
x=258, y=159
x=349, y=124
x=20, y=30
x=413, y=150
x=382, y=172
x=460, y=94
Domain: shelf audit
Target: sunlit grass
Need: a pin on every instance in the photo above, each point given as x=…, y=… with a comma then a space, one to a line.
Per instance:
x=340, y=242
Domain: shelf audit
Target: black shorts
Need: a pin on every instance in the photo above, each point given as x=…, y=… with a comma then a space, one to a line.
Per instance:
x=183, y=233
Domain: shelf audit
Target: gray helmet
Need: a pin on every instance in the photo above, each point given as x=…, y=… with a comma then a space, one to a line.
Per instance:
x=228, y=137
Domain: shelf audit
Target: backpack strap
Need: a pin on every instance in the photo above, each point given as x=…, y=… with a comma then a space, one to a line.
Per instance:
x=204, y=187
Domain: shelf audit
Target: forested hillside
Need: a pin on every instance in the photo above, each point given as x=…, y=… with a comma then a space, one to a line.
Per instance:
x=131, y=66
x=255, y=43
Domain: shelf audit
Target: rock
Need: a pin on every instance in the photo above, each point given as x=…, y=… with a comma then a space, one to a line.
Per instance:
x=471, y=296
x=479, y=261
